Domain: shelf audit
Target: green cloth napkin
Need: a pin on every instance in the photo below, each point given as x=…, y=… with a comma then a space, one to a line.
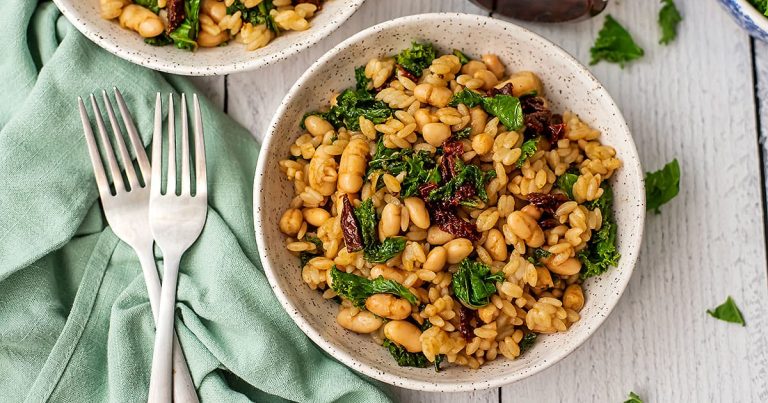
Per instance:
x=75, y=322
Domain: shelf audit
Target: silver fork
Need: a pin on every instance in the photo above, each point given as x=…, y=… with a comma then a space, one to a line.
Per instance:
x=176, y=222
x=127, y=211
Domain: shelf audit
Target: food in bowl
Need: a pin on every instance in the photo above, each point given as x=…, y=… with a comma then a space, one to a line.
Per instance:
x=188, y=24
x=760, y=5
x=451, y=214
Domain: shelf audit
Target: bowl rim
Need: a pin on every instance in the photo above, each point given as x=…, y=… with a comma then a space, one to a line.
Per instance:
x=139, y=57
x=756, y=16
x=632, y=162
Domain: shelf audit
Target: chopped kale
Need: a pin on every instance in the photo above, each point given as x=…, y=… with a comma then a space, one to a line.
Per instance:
x=601, y=252
x=537, y=255
x=305, y=257
x=467, y=97
x=184, y=36
x=468, y=173
x=357, y=289
x=151, y=5
x=565, y=182
x=463, y=59
x=528, y=148
x=361, y=81
x=505, y=107
x=160, y=40
x=417, y=58
x=527, y=342
x=381, y=252
x=256, y=15
x=404, y=358
x=463, y=133
x=473, y=284
x=351, y=104
x=366, y=217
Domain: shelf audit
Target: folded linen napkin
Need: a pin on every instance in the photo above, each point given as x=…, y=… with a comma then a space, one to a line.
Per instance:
x=75, y=322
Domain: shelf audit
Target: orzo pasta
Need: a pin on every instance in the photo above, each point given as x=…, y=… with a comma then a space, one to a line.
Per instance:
x=188, y=24
x=447, y=210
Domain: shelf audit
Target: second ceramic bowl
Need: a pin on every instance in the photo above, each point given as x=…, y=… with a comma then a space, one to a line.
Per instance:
x=568, y=85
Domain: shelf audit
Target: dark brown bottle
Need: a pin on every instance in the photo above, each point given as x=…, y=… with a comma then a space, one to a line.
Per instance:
x=544, y=10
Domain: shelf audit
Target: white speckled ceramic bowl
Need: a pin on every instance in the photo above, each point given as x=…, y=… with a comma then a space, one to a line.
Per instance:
x=84, y=15
x=567, y=84
x=748, y=17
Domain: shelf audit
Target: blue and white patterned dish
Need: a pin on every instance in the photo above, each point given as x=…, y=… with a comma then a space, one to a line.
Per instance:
x=746, y=15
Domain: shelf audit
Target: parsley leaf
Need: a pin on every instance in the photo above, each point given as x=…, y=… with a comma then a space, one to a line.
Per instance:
x=357, y=289
x=528, y=148
x=467, y=97
x=417, y=58
x=404, y=358
x=633, y=398
x=614, y=44
x=662, y=186
x=473, y=283
x=361, y=81
x=728, y=311
x=669, y=17
x=600, y=253
x=463, y=59
x=527, y=342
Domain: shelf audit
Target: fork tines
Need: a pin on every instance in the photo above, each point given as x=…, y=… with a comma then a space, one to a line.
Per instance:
x=200, y=171
x=114, y=167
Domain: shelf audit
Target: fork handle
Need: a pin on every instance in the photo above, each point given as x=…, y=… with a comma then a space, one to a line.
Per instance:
x=161, y=378
x=183, y=387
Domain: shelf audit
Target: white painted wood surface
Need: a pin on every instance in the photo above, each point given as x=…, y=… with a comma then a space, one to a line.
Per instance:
x=698, y=100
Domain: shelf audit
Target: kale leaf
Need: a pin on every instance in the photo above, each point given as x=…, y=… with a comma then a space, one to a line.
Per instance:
x=601, y=253
x=151, y=5
x=305, y=256
x=417, y=58
x=728, y=311
x=404, y=358
x=662, y=186
x=184, y=36
x=527, y=342
x=463, y=59
x=473, y=284
x=365, y=214
x=760, y=5
x=351, y=104
x=375, y=252
x=421, y=168
x=357, y=289
x=507, y=108
x=614, y=44
x=537, y=255
x=463, y=133
x=565, y=182
x=160, y=40
x=391, y=160
x=528, y=148
x=257, y=15
x=669, y=18
x=381, y=252
x=468, y=173
x=361, y=81
x=467, y=97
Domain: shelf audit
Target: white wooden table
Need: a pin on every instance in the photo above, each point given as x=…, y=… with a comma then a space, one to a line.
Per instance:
x=704, y=100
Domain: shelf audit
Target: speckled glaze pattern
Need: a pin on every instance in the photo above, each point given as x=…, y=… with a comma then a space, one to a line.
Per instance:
x=747, y=16
x=84, y=15
x=568, y=85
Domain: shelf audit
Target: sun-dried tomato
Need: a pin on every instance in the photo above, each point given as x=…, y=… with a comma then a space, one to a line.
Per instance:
x=465, y=322
x=445, y=217
x=447, y=220
x=556, y=128
x=548, y=202
x=405, y=73
x=349, y=227
x=176, y=14
x=548, y=223
x=505, y=90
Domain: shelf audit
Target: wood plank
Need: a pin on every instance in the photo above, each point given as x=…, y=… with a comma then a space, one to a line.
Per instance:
x=254, y=96
x=690, y=100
